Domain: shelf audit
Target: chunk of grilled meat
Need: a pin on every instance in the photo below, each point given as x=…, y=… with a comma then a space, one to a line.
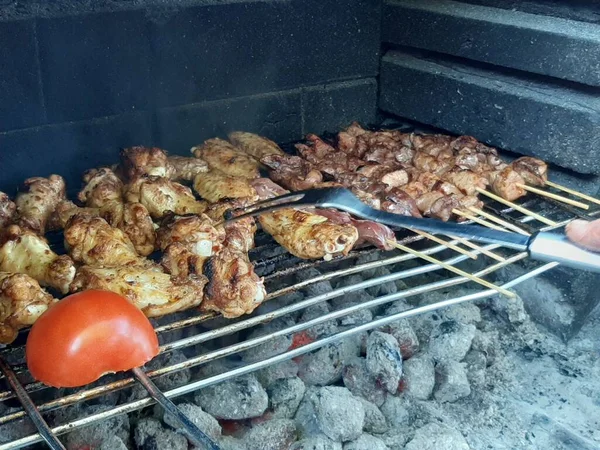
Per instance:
x=139, y=162
x=533, y=170
x=138, y=226
x=326, y=158
x=397, y=201
x=309, y=236
x=466, y=180
x=427, y=163
x=215, y=186
x=435, y=145
x=65, y=210
x=92, y=241
x=35, y=206
x=8, y=210
x=505, y=183
x=22, y=302
x=256, y=146
x=223, y=156
x=146, y=286
x=233, y=288
x=160, y=195
x=187, y=242
x=186, y=168
x=23, y=251
x=292, y=172
x=103, y=190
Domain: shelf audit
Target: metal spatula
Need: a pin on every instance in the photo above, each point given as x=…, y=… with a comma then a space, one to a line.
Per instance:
x=542, y=246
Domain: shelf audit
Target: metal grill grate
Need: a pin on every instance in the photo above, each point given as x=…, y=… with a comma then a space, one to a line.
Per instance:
x=277, y=269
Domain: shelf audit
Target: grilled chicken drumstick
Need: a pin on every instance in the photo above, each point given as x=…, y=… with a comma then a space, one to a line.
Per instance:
x=35, y=206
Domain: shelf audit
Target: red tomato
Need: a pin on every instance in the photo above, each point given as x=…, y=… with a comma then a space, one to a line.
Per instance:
x=87, y=335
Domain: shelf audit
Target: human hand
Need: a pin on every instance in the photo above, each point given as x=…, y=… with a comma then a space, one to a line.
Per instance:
x=586, y=234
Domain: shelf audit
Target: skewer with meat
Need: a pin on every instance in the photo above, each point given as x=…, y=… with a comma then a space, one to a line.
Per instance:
x=533, y=170
x=326, y=158
x=35, y=206
x=292, y=172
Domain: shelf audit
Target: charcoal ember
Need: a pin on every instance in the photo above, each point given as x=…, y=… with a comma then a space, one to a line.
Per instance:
x=396, y=411
x=325, y=365
x=434, y=436
x=306, y=415
x=405, y=335
x=272, y=347
x=113, y=443
x=340, y=414
x=357, y=318
x=418, y=379
x=322, y=329
x=450, y=340
x=465, y=313
x=231, y=443
x=276, y=434
x=451, y=382
x=362, y=383
x=350, y=299
x=366, y=442
x=381, y=289
x=285, y=396
x=150, y=434
x=350, y=280
x=240, y=398
x=487, y=343
x=215, y=367
x=271, y=374
x=476, y=364
x=286, y=299
x=204, y=421
x=367, y=258
x=312, y=290
x=320, y=442
x=384, y=360
x=99, y=432
x=374, y=419
x=397, y=306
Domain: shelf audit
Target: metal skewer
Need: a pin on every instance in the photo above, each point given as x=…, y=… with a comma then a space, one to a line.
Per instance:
x=193, y=433
x=499, y=221
x=478, y=220
x=556, y=197
x=480, y=249
x=452, y=269
x=450, y=245
x=573, y=192
x=517, y=207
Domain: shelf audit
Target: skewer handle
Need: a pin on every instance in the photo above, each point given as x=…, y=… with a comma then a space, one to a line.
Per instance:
x=554, y=247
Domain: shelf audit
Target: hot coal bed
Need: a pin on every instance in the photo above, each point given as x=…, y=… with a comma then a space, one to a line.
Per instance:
x=335, y=359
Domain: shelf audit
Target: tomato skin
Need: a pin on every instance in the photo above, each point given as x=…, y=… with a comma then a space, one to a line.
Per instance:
x=87, y=335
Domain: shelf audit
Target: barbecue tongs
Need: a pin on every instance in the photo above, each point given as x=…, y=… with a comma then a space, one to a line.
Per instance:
x=542, y=246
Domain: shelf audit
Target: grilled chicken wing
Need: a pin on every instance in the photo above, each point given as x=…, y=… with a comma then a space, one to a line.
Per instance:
x=187, y=242
x=138, y=226
x=146, y=286
x=186, y=168
x=7, y=210
x=160, y=195
x=215, y=186
x=65, y=210
x=223, y=156
x=534, y=171
x=92, y=241
x=254, y=145
x=103, y=190
x=23, y=251
x=36, y=205
x=22, y=301
x=308, y=236
x=145, y=161
x=233, y=288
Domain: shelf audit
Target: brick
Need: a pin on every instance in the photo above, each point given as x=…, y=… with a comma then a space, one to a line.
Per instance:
x=21, y=102
x=544, y=45
x=275, y=115
x=94, y=65
x=235, y=49
x=331, y=107
x=539, y=119
x=68, y=149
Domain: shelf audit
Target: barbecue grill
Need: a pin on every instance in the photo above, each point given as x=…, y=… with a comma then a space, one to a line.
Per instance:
x=193, y=70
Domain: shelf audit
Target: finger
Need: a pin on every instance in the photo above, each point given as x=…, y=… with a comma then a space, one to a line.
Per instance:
x=586, y=234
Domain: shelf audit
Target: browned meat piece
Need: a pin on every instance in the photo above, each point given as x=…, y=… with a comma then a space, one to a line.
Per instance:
x=266, y=188
x=347, y=139
x=399, y=202
x=240, y=235
x=415, y=189
x=387, y=175
x=505, y=183
x=216, y=211
x=139, y=162
x=65, y=210
x=138, y=226
x=435, y=145
x=256, y=146
x=467, y=201
x=326, y=158
x=533, y=170
x=466, y=181
x=22, y=302
x=223, y=156
x=7, y=210
x=428, y=163
x=187, y=242
x=437, y=205
x=92, y=241
x=234, y=288
x=186, y=168
x=23, y=251
x=103, y=190
x=215, y=186
x=35, y=206
x=307, y=235
x=292, y=172
x=146, y=286
x=434, y=183
x=368, y=199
